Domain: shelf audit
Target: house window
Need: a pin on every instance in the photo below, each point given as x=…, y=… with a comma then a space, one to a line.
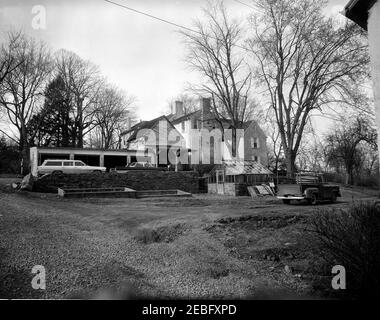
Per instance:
x=219, y=176
x=183, y=126
x=256, y=158
x=53, y=164
x=255, y=143
x=230, y=179
x=195, y=124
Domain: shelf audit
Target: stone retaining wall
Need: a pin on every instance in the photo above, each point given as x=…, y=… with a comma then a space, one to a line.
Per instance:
x=139, y=180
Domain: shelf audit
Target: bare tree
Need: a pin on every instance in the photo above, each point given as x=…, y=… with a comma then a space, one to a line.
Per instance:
x=83, y=82
x=370, y=159
x=275, y=151
x=8, y=60
x=311, y=155
x=113, y=109
x=306, y=62
x=22, y=87
x=343, y=144
x=214, y=51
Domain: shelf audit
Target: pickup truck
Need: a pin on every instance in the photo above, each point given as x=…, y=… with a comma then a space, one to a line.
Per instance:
x=308, y=186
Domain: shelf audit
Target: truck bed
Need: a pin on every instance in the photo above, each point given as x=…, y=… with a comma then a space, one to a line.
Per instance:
x=289, y=190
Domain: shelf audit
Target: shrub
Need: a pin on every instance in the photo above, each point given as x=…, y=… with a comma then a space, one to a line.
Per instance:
x=362, y=180
x=351, y=238
x=9, y=159
x=334, y=177
x=161, y=234
x=202, y=169
x=367, y=181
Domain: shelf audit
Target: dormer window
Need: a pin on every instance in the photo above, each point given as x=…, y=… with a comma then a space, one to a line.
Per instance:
x=183, y=126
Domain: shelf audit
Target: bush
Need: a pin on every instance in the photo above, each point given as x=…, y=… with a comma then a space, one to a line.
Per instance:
x=9, y=159
x=334, y=177
x=161, y=234
x=367, y=181
x=362, y=180
x=202, y=169
x=351, y=238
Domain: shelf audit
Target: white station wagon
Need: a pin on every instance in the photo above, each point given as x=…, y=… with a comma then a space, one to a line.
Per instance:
x=67, y=166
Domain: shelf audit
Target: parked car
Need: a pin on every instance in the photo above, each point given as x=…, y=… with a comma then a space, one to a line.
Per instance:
x=67, y=166
x=308, y=186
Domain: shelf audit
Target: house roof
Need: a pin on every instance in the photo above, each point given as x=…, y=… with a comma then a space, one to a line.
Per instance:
x=237, y=167
x=143, y=125
x=172, y=117
x=226, y=124
x=357, y=11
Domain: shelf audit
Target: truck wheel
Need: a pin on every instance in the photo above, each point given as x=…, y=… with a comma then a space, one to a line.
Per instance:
x=313, y=199
x=377, y=205
x=286, y=201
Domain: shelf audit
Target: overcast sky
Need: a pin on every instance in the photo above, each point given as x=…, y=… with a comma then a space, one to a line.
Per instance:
x=141, y=55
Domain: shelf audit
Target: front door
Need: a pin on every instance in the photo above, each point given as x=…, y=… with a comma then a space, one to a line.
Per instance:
x=220, y=181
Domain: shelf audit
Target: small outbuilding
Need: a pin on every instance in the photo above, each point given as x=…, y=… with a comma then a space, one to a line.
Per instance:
x=232, y=177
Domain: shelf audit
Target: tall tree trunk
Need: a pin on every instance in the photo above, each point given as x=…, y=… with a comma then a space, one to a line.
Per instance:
x=351, y=177
x=80, y=123
x=233, y=143
x=290, y=163
x=347, y=180
x=24, y=150
x=25, y=160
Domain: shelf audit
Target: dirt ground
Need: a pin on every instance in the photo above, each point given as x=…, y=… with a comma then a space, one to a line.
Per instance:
x=200, y=247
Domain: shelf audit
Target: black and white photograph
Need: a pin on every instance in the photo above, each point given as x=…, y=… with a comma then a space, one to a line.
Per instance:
x=189, y=150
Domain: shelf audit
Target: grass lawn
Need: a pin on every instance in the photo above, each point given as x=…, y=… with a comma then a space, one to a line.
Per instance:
x=200, y=247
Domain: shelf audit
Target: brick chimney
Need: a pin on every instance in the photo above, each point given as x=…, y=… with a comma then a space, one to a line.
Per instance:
x=205, y=106
x=178, y=109
x=128, y=124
